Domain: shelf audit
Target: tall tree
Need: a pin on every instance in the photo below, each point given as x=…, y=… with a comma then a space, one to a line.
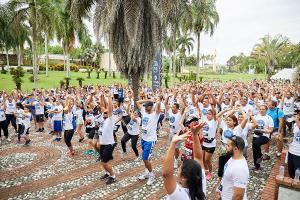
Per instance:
x=185, y=44
x=37, y=13
x=133, y=28
x=270, y=50
x=205, y=19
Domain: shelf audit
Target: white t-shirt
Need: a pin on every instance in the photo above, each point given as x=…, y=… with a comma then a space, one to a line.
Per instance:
x=26, y=120
x=134, y=127
x=149, y=125
x=245, y=132
x=236, y=174
x=181, y=193
x=288, y=106
x=58, y=116
x=39, y=109
x=294, y=147
x=20, y=114
x=10, y=107
x=264, y=122
x=2, y=114
x=90, y=117
x=209, y=132
x=67, y=121
x=79, y=114
x=204, y=110
x=174, y=121
x=107, y=132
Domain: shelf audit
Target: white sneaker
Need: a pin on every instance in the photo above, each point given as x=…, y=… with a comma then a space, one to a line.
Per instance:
x=8, y=139
x=151, y=180
x=278, y=154
x=136, y=159
x=124, y=154
x=175, y=164
x=144, y=176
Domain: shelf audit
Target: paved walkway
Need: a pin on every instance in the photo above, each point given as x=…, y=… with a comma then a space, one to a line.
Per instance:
x=44, y=171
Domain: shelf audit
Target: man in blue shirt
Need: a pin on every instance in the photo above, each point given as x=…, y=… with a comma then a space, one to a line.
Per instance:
x=277, y=116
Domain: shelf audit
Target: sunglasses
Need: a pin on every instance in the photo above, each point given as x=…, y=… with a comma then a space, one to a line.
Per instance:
x=105, y=113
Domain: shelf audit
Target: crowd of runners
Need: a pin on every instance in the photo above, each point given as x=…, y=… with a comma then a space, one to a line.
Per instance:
x=200, y=118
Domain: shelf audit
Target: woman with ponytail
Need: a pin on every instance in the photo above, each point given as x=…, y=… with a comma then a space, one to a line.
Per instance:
x=191, y=182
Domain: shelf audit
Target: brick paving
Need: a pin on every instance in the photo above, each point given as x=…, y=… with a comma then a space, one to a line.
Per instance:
x=44, y=171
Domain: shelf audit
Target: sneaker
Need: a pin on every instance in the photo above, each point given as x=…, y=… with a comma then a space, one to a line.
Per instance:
x=81, y=139
x=258, y=161
x=278, y=154
x=88, y=152
x=266, y=157
x=256, y=169
x=175, y=164
x=136, y=159
x=50, y=133
x=8, y=139
x=105, y=176
x=144, y=176
x=151, y=180
x=70, y=153
x=110, y=180
x=208, y=176
x=27, y=142
x=98, y=159
x=124, y=154
x=58, y=139
x=55, y=139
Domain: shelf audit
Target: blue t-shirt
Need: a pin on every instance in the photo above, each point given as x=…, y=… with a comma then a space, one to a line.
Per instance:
x=273, y=113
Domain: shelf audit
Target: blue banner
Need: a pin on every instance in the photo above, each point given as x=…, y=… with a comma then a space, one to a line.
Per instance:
x=156, y=72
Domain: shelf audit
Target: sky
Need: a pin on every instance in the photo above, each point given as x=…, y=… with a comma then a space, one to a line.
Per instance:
x=244, y=22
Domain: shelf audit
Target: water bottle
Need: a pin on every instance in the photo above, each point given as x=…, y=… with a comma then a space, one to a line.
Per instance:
x=297, y=175
x=281, y=171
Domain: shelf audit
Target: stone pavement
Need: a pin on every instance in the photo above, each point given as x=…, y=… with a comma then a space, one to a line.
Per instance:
x=44, y=171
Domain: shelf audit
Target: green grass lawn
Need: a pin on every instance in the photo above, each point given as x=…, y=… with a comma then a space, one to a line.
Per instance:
x=55, y=77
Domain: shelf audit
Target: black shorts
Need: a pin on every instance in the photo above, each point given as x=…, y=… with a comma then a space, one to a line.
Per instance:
x=106, y=152
x=209, y=149
x=116, y=96
x=39, y=118
x=96, y=135
x=90, y=132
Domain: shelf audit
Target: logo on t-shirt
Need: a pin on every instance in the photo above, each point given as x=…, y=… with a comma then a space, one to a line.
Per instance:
x=206, y=128
x=204, y=111
x=261, y=124
x=297, y=137
x=172, y=119
x=145, y=121
x=251, y=103
x=228, y=133
x=288, y=104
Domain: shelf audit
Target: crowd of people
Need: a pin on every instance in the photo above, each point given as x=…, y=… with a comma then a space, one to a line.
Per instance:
x=201, y=117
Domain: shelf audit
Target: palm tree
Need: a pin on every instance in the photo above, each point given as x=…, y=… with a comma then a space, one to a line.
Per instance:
x=80, y=80
x=178, y=16
x=185, y=43
x=205, y=19
x=37, y=13
x=17, y=75
x=270, y=50
x=133, y=28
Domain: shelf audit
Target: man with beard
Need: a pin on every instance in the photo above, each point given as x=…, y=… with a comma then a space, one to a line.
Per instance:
x=236, y=171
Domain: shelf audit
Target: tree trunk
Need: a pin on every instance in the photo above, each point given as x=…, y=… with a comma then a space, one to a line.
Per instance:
x=183, y=64
x=7, y=59
x=171, y=63
x=22, y=54
x=34, y=57
x=135, y=87
x=174, y=57
x=19, y=55
x=68, y=64
x=198, y=55
x=46, y=54
x=109, y=62
x=64, y=58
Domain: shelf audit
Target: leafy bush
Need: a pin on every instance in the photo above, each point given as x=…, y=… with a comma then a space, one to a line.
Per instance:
x=42, y=67
x=31, y=79
x=60, y=67
x=3, y=71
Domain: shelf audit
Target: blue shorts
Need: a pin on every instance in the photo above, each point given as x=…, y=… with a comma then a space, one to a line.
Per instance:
x=147, y=148
x=57, y=126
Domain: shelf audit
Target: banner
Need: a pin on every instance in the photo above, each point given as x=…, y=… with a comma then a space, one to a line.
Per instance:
x=156, y=72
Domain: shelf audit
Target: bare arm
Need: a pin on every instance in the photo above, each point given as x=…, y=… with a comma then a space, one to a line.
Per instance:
x=238, y=193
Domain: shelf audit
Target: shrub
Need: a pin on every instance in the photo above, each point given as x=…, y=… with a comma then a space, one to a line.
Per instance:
x=74, y=67
x=3, y=71
x=31, y=79
x=42, y=67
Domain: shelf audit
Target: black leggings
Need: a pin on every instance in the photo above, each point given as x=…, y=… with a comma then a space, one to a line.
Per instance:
x=256, y=144
x=20, y=130
x=3, y=126
x=293, y=164
x=222, y=161
x=68, y=134
x=134, y=139
x=10, y=118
